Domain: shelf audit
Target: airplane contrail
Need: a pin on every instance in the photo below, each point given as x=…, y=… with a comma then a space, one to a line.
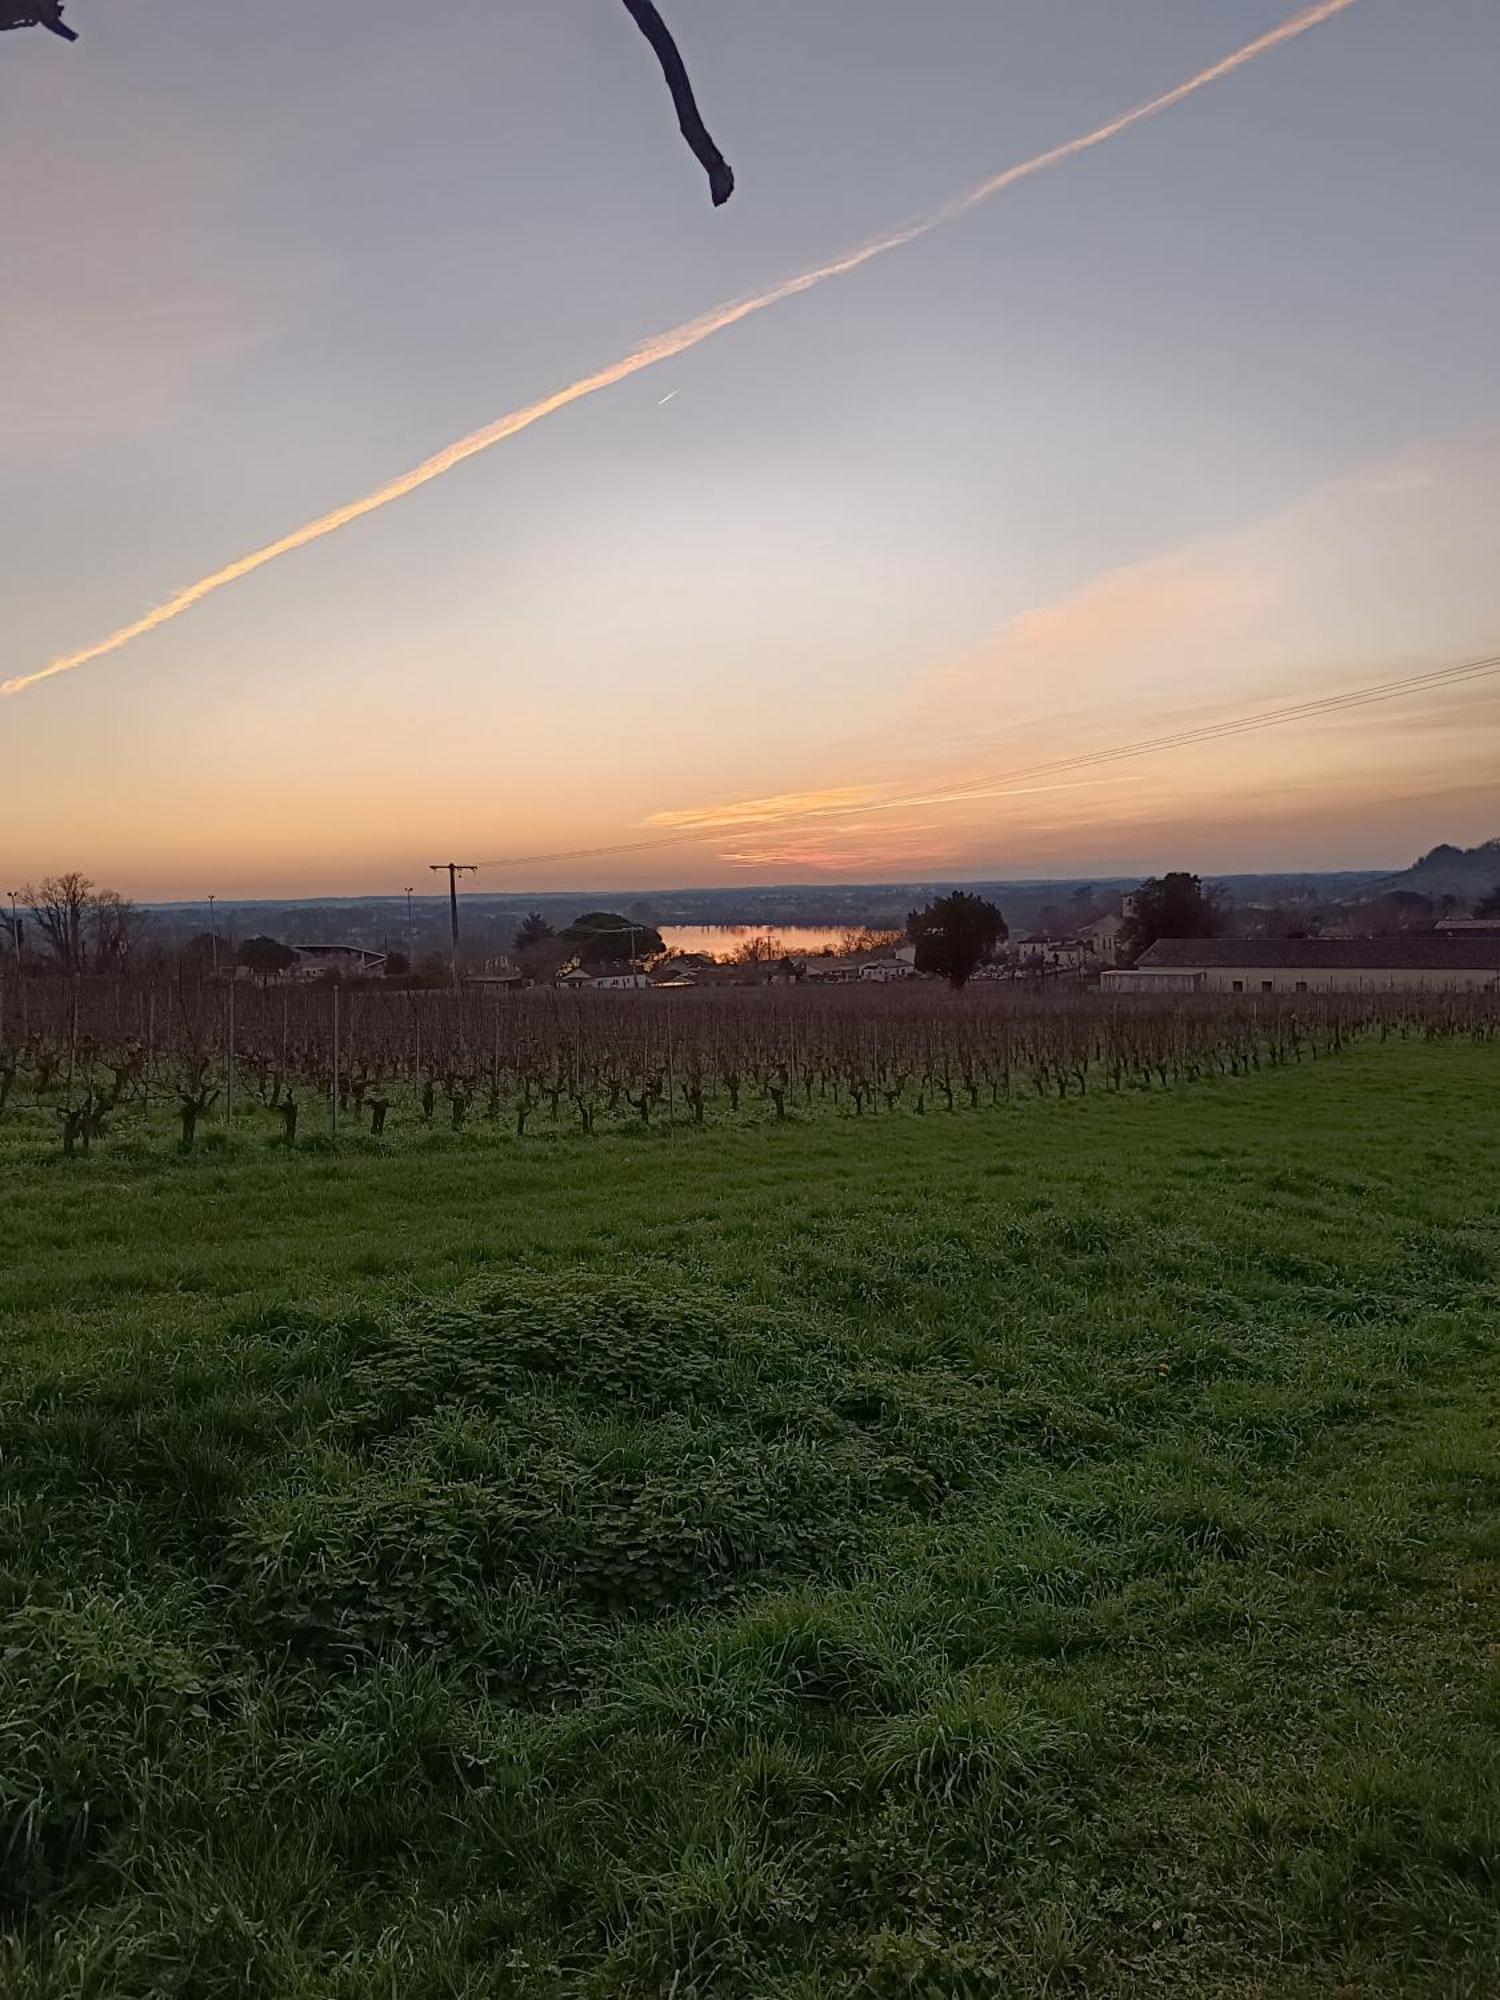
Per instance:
x=665, y=346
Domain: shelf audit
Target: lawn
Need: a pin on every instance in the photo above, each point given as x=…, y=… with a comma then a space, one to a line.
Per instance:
x=1023, y=1551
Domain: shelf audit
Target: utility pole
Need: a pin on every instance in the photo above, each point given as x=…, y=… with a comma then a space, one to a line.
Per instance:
x=410, y=959
x=213, y=936
x=632, y=931
x=453, y=869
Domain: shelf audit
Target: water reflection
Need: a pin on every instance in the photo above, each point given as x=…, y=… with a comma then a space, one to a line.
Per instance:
x=724, y=940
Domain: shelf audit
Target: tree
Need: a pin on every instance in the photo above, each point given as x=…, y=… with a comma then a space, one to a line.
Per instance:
x=757, y=950
x=266, y=957
x=532, y=929
x=601, y=935
x=1489, y=906
x=60, y=904
x=852, y=942
x=1169, y=906
x=115, y=928
x=955, y=935
x=83, y=928
x=1395, y=914
x=1279, y=920
x=541, y=962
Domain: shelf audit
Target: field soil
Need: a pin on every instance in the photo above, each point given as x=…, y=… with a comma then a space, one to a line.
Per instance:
x=1042, y=1549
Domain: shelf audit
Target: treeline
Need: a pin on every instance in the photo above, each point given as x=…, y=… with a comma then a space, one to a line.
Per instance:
x=68, y=924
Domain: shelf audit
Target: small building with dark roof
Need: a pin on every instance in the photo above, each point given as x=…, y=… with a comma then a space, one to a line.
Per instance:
x=1427, y=961
x=348, y=961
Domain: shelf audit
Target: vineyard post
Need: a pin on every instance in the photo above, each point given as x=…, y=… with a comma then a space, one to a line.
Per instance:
x=229, y=1058
x=671, y=1087
x=150, y=1047
x=333, y=1102
x=16, y=939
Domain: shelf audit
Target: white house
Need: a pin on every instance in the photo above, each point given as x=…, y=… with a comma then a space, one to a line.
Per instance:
x=618, y=977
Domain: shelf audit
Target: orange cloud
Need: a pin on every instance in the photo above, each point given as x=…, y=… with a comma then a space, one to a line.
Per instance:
x=768, y=811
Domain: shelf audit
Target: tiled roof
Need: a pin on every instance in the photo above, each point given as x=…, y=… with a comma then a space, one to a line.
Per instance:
x=1421, y=951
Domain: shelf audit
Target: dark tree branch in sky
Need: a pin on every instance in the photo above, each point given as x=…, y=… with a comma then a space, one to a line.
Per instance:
x=46, y=14
x=689, y=118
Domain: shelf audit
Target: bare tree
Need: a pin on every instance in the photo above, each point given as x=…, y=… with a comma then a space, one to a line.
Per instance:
x=83, y=928
x=49, y=14
x=689, y=118
x=60, y=904
x=116, y=926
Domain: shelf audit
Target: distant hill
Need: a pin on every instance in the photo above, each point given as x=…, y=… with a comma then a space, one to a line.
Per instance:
x=489, y=921
x=1465, y=872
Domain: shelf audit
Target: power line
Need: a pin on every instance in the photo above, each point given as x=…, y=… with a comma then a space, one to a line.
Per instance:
x=1183, y=738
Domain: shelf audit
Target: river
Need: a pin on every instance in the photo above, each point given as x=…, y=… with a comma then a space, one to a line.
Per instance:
x=723, y=940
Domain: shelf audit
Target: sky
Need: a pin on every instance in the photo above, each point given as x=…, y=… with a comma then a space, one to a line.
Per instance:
x=1201, y=423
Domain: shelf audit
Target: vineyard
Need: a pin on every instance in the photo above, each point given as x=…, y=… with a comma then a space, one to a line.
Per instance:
x=107, y=1058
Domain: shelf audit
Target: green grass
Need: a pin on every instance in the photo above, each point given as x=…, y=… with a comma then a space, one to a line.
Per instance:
x=1044, y=1550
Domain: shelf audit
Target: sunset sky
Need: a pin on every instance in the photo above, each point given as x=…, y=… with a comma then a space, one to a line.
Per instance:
x=1202, y=422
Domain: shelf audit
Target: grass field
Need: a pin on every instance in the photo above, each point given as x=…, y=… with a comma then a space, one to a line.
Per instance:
x=1040, y=1550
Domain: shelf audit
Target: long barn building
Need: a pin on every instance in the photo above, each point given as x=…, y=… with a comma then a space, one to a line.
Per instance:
x=1427, y=962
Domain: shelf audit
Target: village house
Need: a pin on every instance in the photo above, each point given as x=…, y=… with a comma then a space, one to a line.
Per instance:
x=500, y=974
x=1049, y=957
x=825, y=967
x=1426, y=961
x=347, y=961
x=1102, y=937
x=619, y=976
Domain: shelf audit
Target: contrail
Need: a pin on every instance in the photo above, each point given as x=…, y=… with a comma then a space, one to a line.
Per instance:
x=664, y=346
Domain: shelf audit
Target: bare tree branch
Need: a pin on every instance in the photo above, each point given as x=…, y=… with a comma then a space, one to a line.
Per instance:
x=689, y=119
x=46, y=14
